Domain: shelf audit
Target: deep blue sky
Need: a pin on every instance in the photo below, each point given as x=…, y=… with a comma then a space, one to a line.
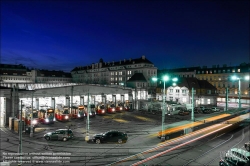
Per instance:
x=60, y=35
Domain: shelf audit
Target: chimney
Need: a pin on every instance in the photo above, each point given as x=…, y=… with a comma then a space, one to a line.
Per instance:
x=143, y=57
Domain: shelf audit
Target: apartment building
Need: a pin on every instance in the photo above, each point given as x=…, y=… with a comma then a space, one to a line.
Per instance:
x=221, y=78
x=21, y=75
x=115, y=72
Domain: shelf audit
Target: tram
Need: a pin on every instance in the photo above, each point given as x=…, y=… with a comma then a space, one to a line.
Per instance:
x=127, y=106
x=78, y=112
x=111, y=108
x=119, y=107
x=26, y=117
x=92, y=111
x=46, y=116
x=62, y=114
x=100, y=109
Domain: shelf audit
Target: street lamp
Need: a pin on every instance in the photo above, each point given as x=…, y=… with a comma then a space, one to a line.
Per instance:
x=165, y=78
x=239, y=86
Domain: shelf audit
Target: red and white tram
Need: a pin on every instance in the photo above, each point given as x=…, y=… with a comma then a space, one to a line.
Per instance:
x=62, y=114
x=111, y=108
x=127, y=106
x=92, y=111
x=46, y=116
x=100, y=109
x=119, y=107
x=26, y=117
x=78, y=112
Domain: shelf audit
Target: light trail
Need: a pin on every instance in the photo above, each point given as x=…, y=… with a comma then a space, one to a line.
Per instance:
x=178, y=146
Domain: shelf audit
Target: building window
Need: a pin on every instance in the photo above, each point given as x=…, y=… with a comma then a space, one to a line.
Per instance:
x=177, y=91
x=202, y=101
x=238, y=70
x=208, y=101
x=208, y=91
x=183, y=91
x=171, y=90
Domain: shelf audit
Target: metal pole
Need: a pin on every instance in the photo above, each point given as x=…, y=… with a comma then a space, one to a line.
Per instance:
x=239, y=95
x=87, y=124
x=71, y=101
x=20, y=133
x=13, y=101
x=192, y=116
x=226, y=99
x=163, y=114
x=31, y=119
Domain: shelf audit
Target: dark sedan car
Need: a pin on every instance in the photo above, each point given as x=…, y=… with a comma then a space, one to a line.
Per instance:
x=247, y=146
x=61, y=134
x=110, y=137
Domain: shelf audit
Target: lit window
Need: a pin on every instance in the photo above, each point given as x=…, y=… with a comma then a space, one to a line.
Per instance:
x=208, y=101
x=238, y=70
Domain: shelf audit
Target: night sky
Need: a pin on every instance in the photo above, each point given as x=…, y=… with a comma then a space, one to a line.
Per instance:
x=61, y=35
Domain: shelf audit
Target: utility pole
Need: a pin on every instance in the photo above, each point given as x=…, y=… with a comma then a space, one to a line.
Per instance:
x=71, y=101
x=31, y=119
x=192, y=115
x=226, y=99
x=87, y=124
x=20, y=134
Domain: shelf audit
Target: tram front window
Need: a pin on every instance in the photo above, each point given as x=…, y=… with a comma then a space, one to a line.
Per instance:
x=35, y=115
x=112, y=105
x=50, y=115
x=102, y=107
x=66, y=112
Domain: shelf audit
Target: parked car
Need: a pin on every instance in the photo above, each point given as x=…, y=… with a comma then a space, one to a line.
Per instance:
x=61, y=134
x=207, y=111
x=215, y=109
x=247, y=146
x=110, y=137
x=236, y=157
x=183, y=112
x=196, y=110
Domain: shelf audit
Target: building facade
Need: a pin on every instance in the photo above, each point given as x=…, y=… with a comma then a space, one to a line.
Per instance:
x=114, y=73
x=204, y=93
x=221, y=78
x=19, y=74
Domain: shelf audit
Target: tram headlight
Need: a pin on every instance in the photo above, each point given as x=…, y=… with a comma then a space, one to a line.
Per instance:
x=46, y=120
x=90, y=113
x=34, y=122
x=79, y=115
x=120, y=108
x=66, y=117
x=113, y=109
x=54, y=119
x=103, y=111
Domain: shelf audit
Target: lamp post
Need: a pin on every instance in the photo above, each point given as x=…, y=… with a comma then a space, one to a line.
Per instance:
x=239, y=87
x=165, y=78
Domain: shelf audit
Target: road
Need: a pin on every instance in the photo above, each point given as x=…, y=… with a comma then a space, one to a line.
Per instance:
x=137, y=125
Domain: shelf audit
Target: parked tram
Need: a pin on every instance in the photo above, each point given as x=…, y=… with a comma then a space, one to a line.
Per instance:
x=46, y=116
x=78, y=112
x=100, y=109
x=111, y=108
x=127, y=106
x=26, y=117
x=62, y=114
x=119, y=107
x=92, y=111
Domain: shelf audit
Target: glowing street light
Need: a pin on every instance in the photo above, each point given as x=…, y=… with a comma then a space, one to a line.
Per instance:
x=165, y=78
x=239, y=86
